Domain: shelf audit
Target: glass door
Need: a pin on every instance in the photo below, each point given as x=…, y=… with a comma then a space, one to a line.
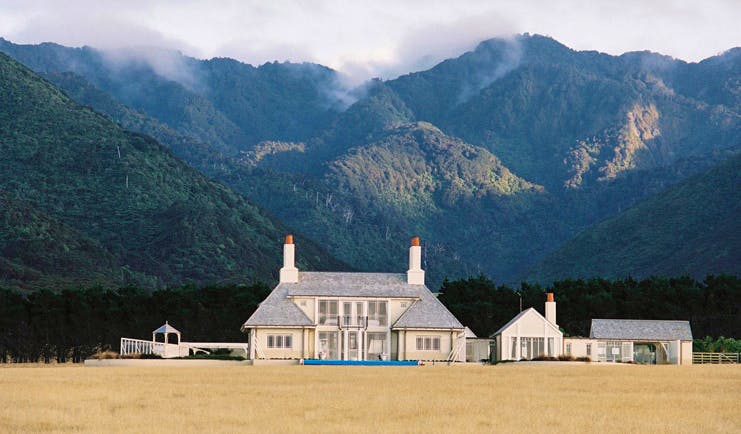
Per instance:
x=352, y=345
x=328, y=345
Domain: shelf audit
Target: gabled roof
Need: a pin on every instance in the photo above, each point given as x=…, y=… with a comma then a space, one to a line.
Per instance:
x=522, y=314
x=166, y=328
x=315, y=284
x=278, y=310
x=640, y=329
x=427, y=313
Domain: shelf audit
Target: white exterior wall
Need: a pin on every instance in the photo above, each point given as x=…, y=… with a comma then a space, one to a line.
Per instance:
x=530, y=325
x=686, y=353
x=295, y=352
x=396, y=309
x=306, y=304
x=677, y=352
x=477, y=349
x=579, y=347
x=410, y=344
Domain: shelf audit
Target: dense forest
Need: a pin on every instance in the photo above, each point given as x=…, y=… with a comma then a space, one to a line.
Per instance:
x=71, y=325
x=508, y=151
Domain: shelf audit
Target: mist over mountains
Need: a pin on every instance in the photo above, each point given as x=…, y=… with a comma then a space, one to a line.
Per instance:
x=497, y=158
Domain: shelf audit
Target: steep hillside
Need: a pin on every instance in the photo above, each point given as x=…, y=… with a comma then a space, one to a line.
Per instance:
x=414, y=179
x=39, y=251
x=160, y=222
x=692, y=228
x=560, y=117
x=582, y=135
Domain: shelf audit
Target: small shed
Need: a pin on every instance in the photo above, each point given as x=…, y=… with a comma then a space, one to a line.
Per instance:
x=477, y=349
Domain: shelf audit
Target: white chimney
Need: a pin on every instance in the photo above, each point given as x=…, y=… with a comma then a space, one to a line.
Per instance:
x=550, y=308
x=289, y=272
x=415, y=274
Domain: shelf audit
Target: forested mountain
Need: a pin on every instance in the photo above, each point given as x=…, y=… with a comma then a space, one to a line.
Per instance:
x=86, y=202
x=690, y=229
x=497, y=158
x=561, y=117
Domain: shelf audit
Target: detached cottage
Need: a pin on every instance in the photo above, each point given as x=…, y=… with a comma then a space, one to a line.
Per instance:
x=354, y=316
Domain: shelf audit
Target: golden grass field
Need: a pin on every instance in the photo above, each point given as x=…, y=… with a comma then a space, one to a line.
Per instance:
x=438, y=399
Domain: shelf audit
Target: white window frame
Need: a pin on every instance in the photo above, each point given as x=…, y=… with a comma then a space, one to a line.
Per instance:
x=427, y=343
x=280, y=342
x=376, y=315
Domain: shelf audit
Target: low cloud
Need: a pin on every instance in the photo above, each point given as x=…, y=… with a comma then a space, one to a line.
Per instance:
x=384, y=38
x=166, y=63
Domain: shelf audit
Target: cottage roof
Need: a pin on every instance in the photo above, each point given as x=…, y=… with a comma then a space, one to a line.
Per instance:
x=279, y=310
x=353, y=285
x=640, y=329
x=530, y=310
x=514, y=320
x=427, y=313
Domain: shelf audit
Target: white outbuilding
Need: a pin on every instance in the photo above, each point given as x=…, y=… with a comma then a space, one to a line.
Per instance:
x=635, y=341
x=529, y=335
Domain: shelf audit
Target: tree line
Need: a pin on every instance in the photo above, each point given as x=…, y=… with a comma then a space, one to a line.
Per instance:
x=712, y=306
x=70, y=325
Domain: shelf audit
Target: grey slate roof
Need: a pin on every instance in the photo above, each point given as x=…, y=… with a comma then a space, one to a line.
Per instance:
x=354, y=285
x=640, y=329
x=427, y=313
x=279, y=310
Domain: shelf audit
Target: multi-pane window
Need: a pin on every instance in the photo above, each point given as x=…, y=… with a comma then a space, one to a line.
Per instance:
x=280, y=341
x=347, y=313
x=328, y=311
x=360, y=313
x=428, y=343
x=377, y=346
x=377, y=313
x=531, y=347
x=514, y=348
x=568, y=349
x=589, y=349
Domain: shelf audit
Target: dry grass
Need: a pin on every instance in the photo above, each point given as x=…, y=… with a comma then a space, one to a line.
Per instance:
x=542, y=398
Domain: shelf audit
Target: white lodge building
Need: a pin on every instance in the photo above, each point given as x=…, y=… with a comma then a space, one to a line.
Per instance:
x=354, y=316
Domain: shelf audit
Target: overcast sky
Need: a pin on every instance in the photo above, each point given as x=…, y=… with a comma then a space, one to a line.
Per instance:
x=377, y=37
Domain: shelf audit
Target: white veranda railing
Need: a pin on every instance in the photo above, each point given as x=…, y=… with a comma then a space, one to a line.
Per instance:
x=139, y=346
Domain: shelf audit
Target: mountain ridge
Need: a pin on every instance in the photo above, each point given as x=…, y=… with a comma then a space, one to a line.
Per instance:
x=597, y=133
